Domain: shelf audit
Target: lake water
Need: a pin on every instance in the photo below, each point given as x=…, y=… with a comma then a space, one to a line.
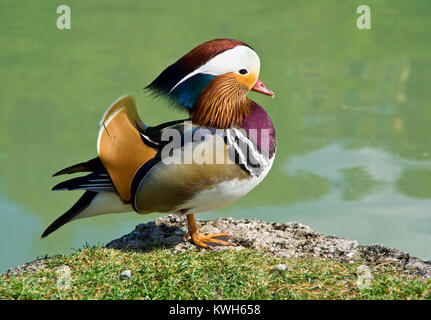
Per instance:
x=352, y=111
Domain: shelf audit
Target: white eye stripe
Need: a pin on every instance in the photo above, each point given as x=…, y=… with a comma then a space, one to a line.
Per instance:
x=232, y=60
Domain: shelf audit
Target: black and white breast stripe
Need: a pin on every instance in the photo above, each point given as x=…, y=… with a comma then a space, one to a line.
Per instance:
x=245, y=152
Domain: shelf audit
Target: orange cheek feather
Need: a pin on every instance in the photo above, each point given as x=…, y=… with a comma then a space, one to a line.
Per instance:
x=246, y=80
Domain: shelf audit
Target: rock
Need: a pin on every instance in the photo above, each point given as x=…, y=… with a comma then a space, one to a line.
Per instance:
x=126, y=274
x=31, y=266
x=290, y=239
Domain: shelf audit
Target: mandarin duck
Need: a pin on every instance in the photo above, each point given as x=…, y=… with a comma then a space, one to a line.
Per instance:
x=218, y=154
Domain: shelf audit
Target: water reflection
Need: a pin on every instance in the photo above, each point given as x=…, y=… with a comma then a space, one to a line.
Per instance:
x=364, y=171
x=415, y=183
x=16, y=244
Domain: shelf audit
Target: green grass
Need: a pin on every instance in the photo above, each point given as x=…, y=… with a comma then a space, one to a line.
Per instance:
x=229, y=274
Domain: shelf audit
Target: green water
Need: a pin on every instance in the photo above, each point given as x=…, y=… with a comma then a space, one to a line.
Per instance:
x=352, y=111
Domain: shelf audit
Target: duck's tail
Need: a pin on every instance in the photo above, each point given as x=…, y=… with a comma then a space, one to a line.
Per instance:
x=91, y=203
x=100, y=196
x=121, y=153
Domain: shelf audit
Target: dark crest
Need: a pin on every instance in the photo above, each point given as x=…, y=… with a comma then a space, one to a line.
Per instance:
x=187, y=94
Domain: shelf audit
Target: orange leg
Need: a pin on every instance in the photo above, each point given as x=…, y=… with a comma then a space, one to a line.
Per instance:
x=207, y=241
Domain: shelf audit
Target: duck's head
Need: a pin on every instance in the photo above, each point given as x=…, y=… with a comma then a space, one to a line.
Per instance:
x=212, y=82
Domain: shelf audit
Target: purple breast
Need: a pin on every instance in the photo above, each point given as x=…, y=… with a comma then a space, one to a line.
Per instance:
x=260, y=129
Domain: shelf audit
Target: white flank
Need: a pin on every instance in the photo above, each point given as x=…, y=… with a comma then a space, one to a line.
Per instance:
x=104, y=203
x=224, y=193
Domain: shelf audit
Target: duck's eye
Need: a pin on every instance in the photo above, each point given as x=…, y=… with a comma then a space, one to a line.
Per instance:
x=243, y=71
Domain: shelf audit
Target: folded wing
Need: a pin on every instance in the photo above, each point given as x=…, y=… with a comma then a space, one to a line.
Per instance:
x=121, y=144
